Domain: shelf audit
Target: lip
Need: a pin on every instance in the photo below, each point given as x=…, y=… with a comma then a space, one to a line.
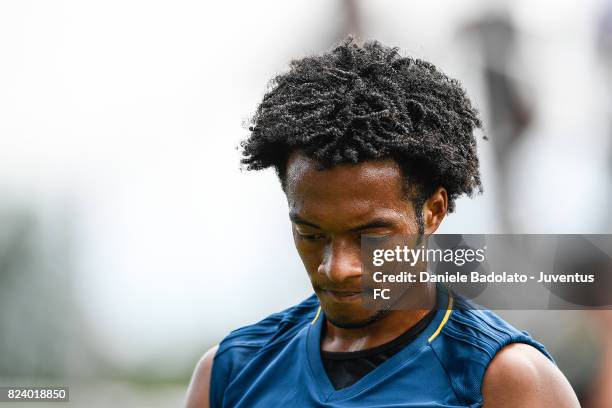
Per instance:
x=344, y=296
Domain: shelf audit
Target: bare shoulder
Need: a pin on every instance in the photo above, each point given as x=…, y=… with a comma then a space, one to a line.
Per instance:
x=198, y=391
x=521, y=376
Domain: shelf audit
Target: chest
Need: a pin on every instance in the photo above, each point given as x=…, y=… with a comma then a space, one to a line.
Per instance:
x=293, y=375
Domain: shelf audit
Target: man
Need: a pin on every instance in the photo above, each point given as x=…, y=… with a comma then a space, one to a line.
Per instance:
x=367, y=142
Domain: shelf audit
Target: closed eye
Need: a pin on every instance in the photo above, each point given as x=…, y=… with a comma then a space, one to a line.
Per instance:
x=311, y=237
x=375, y=238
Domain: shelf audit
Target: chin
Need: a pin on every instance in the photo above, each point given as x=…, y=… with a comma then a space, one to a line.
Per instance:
x=353, y=322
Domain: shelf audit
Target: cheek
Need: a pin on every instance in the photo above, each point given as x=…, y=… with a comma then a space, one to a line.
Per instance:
x=310, y=254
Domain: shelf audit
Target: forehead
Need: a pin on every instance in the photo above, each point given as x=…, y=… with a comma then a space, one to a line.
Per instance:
x=347, y=191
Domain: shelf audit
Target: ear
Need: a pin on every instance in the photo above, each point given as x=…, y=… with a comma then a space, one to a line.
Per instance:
x=434, y=210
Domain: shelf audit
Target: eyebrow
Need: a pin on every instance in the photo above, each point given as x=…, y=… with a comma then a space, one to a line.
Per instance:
x=299, y=220
x=376, y=223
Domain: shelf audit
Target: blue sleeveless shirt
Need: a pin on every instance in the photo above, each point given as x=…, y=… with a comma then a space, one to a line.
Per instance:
x=277, y=362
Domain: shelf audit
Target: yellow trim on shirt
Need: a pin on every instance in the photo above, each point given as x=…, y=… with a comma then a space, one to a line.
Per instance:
x=316, y=316
x=444, y=320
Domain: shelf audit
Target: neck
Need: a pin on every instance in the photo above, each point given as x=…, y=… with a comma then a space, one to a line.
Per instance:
x=387, y=328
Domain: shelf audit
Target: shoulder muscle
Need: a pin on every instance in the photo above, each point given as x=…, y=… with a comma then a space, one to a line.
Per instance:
x=199, y=387
x=521, y=376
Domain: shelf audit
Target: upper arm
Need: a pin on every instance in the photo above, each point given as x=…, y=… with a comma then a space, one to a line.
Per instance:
x=521, y=376
x=199, y=387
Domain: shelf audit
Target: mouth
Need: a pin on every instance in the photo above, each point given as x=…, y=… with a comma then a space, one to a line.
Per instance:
x=343, y=296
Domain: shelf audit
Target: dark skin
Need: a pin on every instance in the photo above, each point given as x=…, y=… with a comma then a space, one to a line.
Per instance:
x=328, y=223
x=330, y=209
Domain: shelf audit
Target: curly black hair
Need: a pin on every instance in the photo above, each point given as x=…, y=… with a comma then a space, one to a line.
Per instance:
x=366, y=102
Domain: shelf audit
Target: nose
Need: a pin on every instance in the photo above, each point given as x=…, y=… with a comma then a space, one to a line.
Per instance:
x=342, y=261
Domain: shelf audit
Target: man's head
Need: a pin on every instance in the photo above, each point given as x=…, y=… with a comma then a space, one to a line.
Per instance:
x=364, y=141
